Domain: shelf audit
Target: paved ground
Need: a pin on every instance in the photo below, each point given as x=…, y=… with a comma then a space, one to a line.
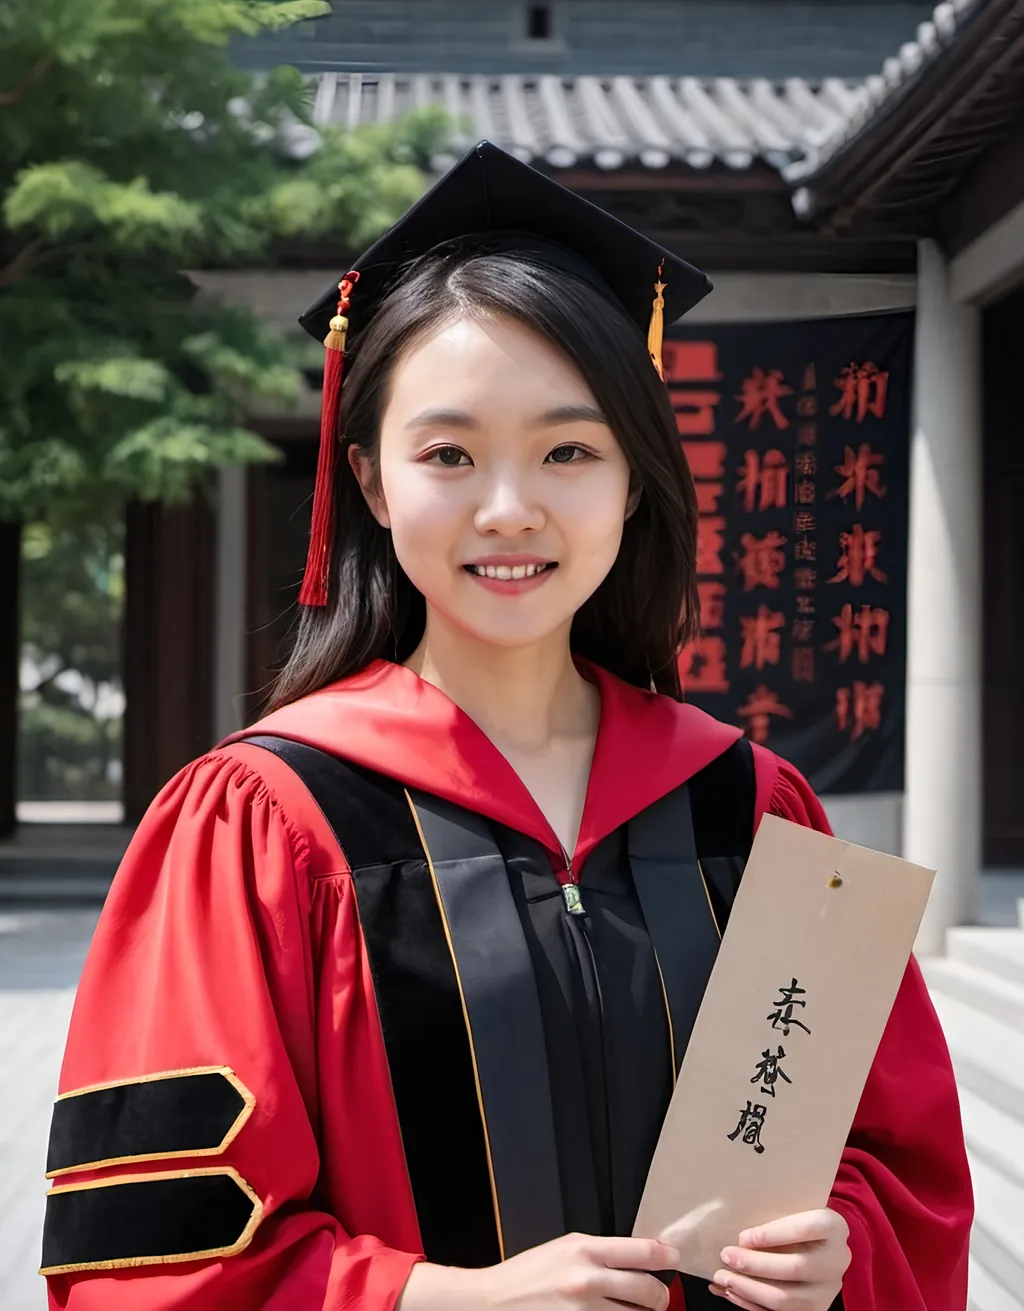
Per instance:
x=41, y=955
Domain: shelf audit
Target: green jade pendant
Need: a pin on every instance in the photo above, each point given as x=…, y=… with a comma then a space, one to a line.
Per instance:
x=573, y=900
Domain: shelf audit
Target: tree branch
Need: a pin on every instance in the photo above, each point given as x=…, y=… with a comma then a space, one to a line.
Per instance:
x=21, y=263
x=34, y=75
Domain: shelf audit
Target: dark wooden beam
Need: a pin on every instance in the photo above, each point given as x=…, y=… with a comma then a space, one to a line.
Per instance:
x=168, y=645
x=989, y=191
x=720, y=181
x=895, y=172
x=796, y=252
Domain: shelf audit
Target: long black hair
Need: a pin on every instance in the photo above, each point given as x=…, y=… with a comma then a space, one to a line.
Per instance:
x=646, y=608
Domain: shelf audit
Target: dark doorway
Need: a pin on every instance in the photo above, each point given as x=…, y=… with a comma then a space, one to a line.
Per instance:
x=280, y=498
x=1003, y=668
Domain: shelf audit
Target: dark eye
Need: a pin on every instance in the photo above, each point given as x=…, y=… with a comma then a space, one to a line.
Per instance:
x=568, y=454
x=449, y=456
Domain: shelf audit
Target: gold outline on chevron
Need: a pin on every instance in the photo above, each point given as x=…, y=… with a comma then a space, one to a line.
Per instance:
x=125, y=1263
x=248, y=1099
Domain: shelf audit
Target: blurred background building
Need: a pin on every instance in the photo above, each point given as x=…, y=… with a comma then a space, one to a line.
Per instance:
x=822, y=159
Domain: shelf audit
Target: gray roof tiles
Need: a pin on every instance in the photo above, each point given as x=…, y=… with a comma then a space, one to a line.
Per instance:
x=605, y=122
x=794, y=126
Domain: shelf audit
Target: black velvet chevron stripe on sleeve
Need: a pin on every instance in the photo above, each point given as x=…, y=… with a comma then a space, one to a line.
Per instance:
x=148, y=1219
x=173, y=1114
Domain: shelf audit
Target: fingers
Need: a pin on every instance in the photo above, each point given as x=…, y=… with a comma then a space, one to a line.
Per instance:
x=636, y=1253
x=798, y=1266
x=734, y=1299
x=634, y=1289
x=804, y=1227
x=760, y=1294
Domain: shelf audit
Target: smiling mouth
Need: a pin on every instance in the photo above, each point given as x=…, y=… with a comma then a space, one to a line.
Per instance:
x=509, y=572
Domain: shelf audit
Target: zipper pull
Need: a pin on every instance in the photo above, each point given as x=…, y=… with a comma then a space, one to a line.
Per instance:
x=573, y=900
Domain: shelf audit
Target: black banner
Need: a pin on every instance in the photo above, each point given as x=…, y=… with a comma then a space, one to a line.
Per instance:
x=798, y=437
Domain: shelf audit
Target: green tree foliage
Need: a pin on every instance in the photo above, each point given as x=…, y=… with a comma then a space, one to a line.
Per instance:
x=131, y=149
x=71, y=700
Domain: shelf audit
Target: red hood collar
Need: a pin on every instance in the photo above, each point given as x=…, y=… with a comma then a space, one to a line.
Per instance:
x=388, y=719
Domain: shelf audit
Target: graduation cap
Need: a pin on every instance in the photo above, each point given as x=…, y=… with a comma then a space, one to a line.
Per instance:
x=492, y=202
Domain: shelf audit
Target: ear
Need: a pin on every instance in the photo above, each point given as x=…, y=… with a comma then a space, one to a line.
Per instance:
x=369, y=481
x=633, y=500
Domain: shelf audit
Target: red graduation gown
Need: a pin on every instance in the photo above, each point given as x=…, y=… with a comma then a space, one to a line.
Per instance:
x=231, y=938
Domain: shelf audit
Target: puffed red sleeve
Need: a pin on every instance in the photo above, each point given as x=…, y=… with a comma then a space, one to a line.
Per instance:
x=185, y=1179
x=903, y=1187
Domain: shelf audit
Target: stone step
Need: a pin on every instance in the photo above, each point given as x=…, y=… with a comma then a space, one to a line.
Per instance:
x=975, y=987
x=986, y=1293
x=988, y=1056
x=59, y=889
x=997, y=1241
x=999, y=950
x=993, y=1136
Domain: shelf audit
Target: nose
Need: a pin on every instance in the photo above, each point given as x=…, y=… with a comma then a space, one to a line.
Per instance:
x=508, y=505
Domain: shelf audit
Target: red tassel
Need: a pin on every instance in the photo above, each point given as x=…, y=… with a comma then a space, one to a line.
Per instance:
x=321, y=531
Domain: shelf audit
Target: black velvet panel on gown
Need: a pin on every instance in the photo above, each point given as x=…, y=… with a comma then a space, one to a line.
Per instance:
x=605, y=1055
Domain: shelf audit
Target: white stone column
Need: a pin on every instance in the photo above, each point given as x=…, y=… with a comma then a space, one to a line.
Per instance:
x=230, y=601
x=942, y=808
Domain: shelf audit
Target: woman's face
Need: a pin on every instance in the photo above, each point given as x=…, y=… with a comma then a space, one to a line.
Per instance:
x=503, y=487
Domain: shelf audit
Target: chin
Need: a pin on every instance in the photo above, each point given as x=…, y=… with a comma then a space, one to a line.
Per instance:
x=505, y=630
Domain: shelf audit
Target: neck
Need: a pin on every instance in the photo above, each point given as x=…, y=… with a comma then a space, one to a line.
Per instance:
x=524, y=698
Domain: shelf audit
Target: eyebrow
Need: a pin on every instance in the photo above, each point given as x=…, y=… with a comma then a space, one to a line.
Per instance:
x=462, y=419
x=440, y=417
x=571, y=414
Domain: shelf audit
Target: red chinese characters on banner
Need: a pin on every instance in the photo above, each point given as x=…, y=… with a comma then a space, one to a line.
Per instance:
x=702, y=666
x=692, y=362
x=763, y=480
x=860, y=474
x=859, y=708
x=762, y=641
x=759, y=397
x=712, y=604
x=863, y=389
x=692, y=372
x=762, y=560
x=803, y=664
x=805, y=552
x=864, y=631
x=758, y=710
x=858, y=557
x=710, y=542
x=794, y=437
x=707, y=464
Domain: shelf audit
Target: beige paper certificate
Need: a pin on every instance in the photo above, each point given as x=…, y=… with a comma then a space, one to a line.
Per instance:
x=817, y=943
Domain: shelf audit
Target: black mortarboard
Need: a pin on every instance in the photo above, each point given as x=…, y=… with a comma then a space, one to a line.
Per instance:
x=493, y=199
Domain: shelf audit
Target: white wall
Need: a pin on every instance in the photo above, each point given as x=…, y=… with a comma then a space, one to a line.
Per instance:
x=875, y=820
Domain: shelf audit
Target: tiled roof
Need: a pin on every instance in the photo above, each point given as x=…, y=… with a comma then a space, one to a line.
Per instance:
x=880, y=92
x=610, y=122
x=794, y=126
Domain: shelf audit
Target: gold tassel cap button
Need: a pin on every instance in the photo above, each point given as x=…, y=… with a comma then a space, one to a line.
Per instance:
x=656, y=330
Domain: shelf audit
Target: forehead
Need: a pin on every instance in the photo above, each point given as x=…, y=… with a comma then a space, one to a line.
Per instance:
x=480, y=359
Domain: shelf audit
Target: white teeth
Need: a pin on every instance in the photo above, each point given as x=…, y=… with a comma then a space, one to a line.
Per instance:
x=505, y=572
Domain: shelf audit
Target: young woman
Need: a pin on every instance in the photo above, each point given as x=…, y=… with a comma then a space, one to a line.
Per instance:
x=384, y=1009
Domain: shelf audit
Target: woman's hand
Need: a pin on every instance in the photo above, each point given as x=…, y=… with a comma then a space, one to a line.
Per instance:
x=793, y=1264
x=574, y=1273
